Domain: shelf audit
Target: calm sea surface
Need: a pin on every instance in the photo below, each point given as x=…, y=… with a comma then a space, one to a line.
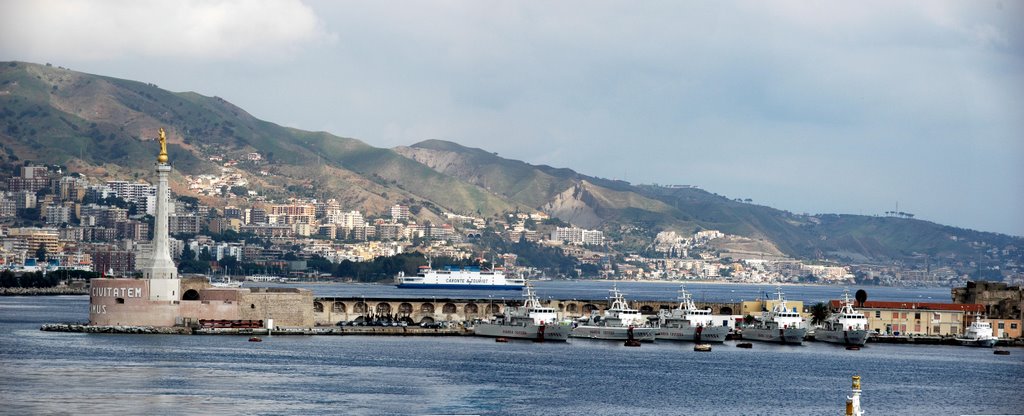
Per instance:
x=46, y=373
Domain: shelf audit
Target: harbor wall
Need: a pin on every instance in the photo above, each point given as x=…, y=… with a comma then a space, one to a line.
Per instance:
x=115, y=302
x=331, y=310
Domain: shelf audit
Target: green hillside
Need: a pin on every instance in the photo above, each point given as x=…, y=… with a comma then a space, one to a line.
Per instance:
x=653, y=208
x=104, y=126
x=54, y=115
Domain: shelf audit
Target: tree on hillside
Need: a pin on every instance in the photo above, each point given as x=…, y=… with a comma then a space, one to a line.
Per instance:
x=41, y=252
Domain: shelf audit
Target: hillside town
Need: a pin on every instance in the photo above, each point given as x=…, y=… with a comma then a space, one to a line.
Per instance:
x=58, y=221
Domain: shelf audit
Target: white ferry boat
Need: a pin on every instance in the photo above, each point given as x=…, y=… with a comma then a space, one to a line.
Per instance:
x=779, y=325
x=619, y=322
x=847, y=326
x=979, y=334
x=530, y=321
x=459, y=278
x=687, y=323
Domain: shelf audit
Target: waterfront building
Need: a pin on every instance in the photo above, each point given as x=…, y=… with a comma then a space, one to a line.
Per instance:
x=916, y=318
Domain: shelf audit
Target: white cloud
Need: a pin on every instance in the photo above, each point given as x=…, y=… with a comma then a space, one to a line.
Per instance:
x=57, y=30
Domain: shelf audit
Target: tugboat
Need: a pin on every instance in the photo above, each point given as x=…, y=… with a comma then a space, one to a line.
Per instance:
x=617, y=323
x=530, y=321
x=687, y=323
x=847, y=326
x=979, y=334
x=779, y=325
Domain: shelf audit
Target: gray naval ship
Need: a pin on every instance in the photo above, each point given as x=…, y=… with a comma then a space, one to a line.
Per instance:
x=779, y=325
x=530, y=321
x=847, y=326
x=620, y=322
x=687, y=323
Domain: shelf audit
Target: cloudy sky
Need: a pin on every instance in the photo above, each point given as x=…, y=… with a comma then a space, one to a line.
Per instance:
x=845, y=107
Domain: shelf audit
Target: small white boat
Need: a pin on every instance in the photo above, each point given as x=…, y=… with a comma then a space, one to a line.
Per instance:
x=979, y=334
x=226, y=282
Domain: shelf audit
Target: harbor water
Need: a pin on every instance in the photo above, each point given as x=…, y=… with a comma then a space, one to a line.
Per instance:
x=46, y=373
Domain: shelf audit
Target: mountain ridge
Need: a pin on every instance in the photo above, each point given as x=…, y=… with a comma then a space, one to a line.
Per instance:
x=93, y=123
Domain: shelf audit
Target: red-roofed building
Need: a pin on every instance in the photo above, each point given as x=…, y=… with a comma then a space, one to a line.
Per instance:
x=916, y=318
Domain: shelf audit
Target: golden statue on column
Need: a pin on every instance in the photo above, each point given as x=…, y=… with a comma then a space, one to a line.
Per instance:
x=163, y=147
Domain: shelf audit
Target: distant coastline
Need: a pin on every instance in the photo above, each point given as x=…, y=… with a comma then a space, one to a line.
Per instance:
x=42, y=291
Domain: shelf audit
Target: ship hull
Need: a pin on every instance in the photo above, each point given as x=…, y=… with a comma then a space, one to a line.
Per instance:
x=854, y=337
x=457, y=286
x=707, y=334
x=531, y=331
x=984, y=343
x=645, y=334
x=794, y=336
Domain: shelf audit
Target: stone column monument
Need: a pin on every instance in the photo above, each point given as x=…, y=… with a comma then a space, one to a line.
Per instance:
x=162, y=273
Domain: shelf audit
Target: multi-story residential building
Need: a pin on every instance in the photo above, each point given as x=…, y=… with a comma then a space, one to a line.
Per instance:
x=184, y=224
x=70, y=188
x=233, y=212
x=322, y=208
x=575, y=235
x=34, y=237
x=111, y=216
x=267, y=230
x=133, y=192
x=364, y=232
x=24, y=199
x=352, y=220
x=132, y=230
x=327, y=230
x=57, y=215
x=30, y=179
x=399, y=212
x=390, y=231
x=8, y=208
x=113, y=262
x=442, y=232
x=257, y=216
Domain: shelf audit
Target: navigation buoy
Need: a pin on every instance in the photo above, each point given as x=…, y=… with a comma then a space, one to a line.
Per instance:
x=255, y=339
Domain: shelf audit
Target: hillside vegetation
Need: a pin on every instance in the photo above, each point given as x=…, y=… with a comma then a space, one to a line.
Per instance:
x=104, y=127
